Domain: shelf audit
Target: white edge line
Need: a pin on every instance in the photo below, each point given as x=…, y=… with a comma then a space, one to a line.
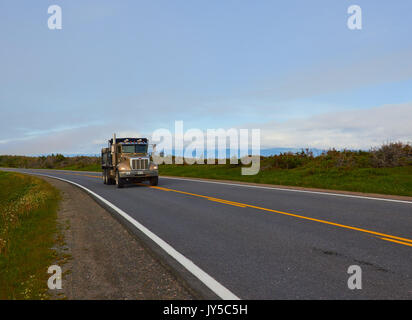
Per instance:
x=291, y=190
x=206, y=279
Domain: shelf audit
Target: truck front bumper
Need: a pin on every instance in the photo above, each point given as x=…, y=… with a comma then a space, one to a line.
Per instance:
x=138, y=173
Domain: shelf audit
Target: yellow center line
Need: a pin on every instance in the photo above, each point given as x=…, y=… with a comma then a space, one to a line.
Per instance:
x=159, y=188
x=391, y=240
x=382, y=236
x=93, y=176
x=333, y=224
x=81, y=174
x=295, y=216
x=229, y=203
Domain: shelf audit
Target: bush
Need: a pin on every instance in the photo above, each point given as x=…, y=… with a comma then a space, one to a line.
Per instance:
x=388, y=155
x=290, y=160
x=395, y=154
x=57, y=161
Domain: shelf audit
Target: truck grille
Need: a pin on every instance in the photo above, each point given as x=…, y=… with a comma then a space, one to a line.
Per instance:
x=139, y=164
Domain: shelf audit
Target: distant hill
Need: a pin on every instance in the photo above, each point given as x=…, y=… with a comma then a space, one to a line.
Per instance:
x=277, y=151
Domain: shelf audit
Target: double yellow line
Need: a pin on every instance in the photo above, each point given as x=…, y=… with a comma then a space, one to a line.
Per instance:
x=383, y=236
x=80, y=174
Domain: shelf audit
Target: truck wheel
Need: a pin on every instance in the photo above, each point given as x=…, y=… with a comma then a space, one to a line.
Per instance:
x=104, y=174
x=110, y=180
x=119, y=182
x=154, y=181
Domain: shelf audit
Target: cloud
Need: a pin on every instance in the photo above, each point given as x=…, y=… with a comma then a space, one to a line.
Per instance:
x=73, y=140
x=81, y=139
x=345, y=129
x=357, y=129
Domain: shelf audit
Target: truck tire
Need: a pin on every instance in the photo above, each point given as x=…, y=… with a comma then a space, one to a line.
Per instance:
x=119, y=182
x=154, y=181
x=109, y=180
x=104, y=174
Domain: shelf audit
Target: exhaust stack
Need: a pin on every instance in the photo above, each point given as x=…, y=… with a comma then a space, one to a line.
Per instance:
x=114, y=149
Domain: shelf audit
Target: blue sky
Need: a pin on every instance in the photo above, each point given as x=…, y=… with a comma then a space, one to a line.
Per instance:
x=291, y=68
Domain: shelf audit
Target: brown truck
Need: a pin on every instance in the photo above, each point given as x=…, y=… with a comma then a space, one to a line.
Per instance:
x=127, y=160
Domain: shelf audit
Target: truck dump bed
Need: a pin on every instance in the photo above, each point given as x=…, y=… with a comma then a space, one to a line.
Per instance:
x=106, y=158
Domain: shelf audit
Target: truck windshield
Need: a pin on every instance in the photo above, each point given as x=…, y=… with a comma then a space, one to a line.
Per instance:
x=134, y=148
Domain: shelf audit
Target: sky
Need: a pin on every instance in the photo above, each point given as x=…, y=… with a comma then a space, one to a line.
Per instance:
x=290, y=68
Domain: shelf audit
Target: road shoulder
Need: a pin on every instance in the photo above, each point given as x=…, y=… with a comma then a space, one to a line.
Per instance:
x=106, y=261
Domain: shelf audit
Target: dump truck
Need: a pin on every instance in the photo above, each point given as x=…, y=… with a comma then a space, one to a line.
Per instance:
x=127, y=160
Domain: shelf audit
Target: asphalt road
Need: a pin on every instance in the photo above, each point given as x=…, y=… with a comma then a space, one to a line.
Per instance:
x=274, y=244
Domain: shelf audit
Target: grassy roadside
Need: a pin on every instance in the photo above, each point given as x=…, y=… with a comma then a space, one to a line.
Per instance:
x=383, y=170
x=391, y=181
x=28, y=227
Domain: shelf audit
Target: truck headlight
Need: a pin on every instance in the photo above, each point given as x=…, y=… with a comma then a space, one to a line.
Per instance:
x=153, y=166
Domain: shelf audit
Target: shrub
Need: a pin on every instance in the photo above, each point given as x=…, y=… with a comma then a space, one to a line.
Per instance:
x=394, y=154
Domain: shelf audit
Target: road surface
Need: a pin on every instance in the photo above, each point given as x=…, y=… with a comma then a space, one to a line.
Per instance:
x=264, y=243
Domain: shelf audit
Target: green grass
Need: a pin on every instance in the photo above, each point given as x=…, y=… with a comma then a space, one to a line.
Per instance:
x=28, y=227
x=393, y=181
